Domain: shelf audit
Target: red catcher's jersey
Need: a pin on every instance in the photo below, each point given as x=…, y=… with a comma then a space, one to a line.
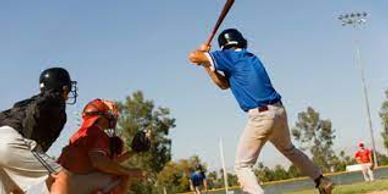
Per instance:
x=75, y=156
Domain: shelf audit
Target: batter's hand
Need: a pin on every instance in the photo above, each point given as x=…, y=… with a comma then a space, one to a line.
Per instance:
x=205, y=48
x=198, y=56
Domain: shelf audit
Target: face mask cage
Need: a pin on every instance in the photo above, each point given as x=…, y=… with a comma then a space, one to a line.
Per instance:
x=73, y=94
x=110, y=116
x=112, y=121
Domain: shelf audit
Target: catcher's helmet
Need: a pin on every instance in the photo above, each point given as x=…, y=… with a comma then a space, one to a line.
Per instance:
x=98, y=108
x=55, y=79
x=231, y=38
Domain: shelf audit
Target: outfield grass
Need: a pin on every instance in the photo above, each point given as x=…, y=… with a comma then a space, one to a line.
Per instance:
x=356, y=188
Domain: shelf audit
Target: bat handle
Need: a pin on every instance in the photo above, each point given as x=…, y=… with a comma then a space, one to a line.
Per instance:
x=209, y=40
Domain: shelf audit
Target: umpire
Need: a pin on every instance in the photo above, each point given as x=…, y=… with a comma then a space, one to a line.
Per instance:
x=29, y=128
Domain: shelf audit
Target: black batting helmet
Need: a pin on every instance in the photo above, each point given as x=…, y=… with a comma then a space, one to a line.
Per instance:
x=231, y=38
x=55, y=79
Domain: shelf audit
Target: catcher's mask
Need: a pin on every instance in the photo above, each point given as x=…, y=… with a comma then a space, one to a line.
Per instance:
x=100, y=108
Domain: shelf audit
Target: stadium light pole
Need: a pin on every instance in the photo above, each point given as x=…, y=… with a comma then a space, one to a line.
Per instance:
x=356, y=20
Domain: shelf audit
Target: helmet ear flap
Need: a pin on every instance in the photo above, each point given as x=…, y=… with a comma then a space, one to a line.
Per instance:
x=244, y=43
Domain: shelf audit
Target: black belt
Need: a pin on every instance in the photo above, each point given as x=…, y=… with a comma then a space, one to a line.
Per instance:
x=265, y=107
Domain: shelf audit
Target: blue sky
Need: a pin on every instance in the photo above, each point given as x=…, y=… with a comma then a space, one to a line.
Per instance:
x=113, y=48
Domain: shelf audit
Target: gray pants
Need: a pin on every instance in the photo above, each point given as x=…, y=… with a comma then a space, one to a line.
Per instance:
x=19, y=166
x=270, y=125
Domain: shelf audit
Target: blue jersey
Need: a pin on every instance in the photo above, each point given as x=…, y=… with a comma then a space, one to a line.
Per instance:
x=197, y=178
x=248, y=79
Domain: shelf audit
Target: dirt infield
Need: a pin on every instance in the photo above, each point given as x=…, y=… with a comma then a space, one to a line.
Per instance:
x=378, y=192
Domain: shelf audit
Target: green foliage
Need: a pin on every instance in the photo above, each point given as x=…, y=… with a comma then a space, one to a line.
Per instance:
x=383, y=159
x=293, y=172
x=213, y=180
x=232, y=179
x=175, y=175
x=137, y=114
x=341, y=161
x=316, y=136
x=265, y=174
x=384, y=120
x=216, y=179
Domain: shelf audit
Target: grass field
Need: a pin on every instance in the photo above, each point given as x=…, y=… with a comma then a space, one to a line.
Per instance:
x=357, y=188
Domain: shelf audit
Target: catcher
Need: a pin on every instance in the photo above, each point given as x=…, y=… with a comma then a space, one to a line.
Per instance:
x=92, y=159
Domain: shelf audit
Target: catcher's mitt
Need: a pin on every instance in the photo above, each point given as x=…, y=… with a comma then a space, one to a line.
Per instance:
x=141, y=142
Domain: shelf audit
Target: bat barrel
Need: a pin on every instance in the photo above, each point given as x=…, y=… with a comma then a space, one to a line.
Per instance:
x=221, y=18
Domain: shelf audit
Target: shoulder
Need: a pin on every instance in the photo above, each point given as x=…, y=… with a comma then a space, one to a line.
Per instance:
x=228, y=57
x=25, y=102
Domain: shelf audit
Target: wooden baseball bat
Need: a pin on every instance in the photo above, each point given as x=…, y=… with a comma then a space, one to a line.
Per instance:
x=221, y=18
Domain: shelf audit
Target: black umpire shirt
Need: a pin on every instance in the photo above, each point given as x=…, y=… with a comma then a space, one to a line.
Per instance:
x=40, y=118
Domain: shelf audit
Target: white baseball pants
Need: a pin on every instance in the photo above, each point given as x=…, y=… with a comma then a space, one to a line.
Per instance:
x=270, y=125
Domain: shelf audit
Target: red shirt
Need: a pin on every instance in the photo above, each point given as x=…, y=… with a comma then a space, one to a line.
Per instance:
x=75, y=156
x=363, y=155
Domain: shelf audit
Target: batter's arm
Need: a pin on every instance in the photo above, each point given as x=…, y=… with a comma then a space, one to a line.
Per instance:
x=217, y=78
x=200, y=57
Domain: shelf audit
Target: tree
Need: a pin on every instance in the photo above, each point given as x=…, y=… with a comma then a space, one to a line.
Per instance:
x=342, y=160
x=175, y=175
x=263, y=173
x=293, y=171
x=280, y=173
x=384, y=117
x=137, y=114
x=232, y=179
x=214, y=180
x=317, y=136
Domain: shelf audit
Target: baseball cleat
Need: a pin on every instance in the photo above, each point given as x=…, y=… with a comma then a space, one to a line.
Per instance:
x=325, y=186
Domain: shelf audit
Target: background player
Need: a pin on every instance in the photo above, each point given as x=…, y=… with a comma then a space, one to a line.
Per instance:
x=198, y=181
x=364, y=157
